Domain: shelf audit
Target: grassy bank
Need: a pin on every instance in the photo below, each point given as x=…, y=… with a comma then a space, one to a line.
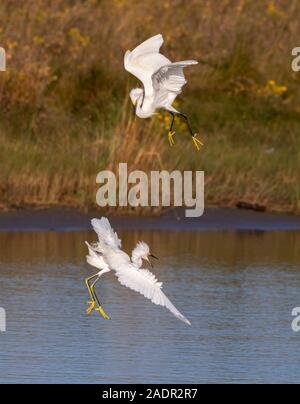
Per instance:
x=65, y=113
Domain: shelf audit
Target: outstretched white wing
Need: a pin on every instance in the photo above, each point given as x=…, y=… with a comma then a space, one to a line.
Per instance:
x=145, y=60
x=105, y=233
x=151, y=45
x=169, y=79
x=145, y=282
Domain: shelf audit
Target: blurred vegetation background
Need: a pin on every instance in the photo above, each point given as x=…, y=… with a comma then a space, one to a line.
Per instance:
x=66, y=115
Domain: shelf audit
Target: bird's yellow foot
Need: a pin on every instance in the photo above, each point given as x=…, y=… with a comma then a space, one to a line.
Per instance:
x=104, y=315
x=197, y=142
x=171, y=139
x=92, y=305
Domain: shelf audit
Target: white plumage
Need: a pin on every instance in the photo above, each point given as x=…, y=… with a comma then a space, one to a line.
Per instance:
x=105, y=233
x=106, y=255
x=94, y=259
x=162, y=81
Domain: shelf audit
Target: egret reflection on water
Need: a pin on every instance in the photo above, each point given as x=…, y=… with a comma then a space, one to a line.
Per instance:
x=106, y=255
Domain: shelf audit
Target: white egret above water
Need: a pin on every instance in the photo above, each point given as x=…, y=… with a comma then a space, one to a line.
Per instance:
x=106, y=255
x=162, y=81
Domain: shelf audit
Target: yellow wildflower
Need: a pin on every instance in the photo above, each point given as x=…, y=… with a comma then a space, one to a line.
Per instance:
x=273, y=88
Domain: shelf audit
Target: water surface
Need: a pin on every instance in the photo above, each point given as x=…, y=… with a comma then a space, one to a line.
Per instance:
x=238, y=289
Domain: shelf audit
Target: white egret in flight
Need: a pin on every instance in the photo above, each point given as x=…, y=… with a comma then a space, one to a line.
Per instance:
x=106, y=255
x=162, y=81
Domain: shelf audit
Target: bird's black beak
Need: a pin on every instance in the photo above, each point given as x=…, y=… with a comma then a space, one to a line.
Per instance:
x=148, y=259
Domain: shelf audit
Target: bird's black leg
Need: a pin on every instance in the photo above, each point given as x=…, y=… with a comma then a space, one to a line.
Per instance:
x=196, y=141
x=187, y=122
x=172, y=123
x=171, y=134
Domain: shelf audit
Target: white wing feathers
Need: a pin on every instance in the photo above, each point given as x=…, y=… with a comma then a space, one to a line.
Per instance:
x=105, y=233
x=145, y=283
x=145, y=60
x=139, y=280
x=94, y=259
x=151, y=277
x=170, y=78
x=151, y=45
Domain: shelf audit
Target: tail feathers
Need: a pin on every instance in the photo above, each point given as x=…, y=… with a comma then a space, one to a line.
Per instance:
x=94, y=259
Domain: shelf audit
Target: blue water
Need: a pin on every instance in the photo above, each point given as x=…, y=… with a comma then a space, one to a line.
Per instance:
x=237, y=288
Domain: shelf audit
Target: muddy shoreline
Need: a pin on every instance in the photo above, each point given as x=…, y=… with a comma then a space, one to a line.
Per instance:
x=64, y=220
